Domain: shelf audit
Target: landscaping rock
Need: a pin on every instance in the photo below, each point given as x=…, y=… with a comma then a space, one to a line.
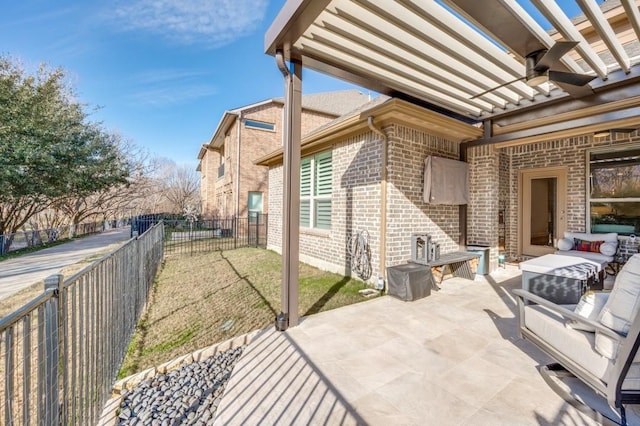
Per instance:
x=191, y=393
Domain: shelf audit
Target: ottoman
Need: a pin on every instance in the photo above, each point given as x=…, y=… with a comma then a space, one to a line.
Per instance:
x=559, y=279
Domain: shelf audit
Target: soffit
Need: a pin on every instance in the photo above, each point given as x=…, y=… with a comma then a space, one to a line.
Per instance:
x=443, y=53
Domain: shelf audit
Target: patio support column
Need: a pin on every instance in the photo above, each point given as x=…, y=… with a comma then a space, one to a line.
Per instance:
x=291, y=189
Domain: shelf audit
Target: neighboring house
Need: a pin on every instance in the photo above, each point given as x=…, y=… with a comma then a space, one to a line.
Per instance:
x=231, y=184
x=538, y=166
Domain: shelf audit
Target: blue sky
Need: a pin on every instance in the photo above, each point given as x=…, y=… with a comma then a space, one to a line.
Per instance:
x=161, y=71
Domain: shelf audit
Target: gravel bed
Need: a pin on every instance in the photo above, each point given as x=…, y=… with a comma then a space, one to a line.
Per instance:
x=189, y=395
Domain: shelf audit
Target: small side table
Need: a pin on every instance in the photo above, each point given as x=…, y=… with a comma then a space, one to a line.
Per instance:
x=615, y=265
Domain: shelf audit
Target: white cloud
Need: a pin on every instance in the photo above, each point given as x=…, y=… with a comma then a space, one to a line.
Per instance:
x=210, y=22
x=158, y=97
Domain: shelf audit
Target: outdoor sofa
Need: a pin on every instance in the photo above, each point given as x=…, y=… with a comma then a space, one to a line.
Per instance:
x=597, y=340
x=600, y=248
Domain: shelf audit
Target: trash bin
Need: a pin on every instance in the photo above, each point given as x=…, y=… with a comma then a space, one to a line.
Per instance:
x=483, y=261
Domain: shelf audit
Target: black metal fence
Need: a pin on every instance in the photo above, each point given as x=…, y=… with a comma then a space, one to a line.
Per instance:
x=184, y=236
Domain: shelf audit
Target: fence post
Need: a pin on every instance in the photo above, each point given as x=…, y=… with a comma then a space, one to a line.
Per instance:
x=52, y=350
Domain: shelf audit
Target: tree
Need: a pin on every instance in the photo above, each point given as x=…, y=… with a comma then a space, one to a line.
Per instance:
x=168, y=188
x=49, y=150
x=182, y=190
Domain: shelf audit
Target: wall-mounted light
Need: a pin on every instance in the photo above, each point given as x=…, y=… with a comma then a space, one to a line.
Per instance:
x=601, y=133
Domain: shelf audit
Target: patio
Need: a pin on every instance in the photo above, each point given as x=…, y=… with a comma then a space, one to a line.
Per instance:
x=452, y=358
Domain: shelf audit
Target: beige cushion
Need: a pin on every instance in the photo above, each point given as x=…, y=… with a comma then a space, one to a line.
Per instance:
x=575, y=344
x=621, y=307
x=610, y=237
x=590, y=305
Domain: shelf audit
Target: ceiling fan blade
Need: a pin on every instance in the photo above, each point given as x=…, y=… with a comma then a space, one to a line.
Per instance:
x=554, y=54
x=576, y=92
x=497, y=87
x=570, y=78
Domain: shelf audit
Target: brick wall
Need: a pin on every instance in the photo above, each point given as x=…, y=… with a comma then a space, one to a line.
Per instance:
x=208, y=178
x=255, y=143
x=569, y=153
x=484, y=200
x=356, y=203
x=407, y=213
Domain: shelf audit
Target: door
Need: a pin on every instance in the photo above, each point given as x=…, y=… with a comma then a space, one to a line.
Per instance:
x=542, y=209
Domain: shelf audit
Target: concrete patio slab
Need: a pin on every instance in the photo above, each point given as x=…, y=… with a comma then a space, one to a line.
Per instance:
x=452, y=358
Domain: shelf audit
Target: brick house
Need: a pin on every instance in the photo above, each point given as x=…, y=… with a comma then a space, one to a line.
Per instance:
x=231, y=184
x=542, y=164
x=412, y=133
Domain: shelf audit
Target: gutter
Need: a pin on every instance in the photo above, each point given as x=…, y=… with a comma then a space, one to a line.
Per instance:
x=383, y=202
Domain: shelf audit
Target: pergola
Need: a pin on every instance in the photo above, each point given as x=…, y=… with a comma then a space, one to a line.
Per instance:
x=465, y=59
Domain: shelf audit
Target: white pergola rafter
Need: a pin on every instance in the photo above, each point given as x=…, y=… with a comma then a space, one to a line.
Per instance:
x=563, y=24
x=602, y=27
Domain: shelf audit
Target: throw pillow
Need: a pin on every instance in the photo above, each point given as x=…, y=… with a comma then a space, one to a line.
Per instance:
x=590, y=305
x=584, y=245
x=608, y=249
x=565, y=244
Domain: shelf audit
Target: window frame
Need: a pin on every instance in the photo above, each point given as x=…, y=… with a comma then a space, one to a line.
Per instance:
x=259, y=125
x=588, y=184
x=314, y=198
x=253, y=218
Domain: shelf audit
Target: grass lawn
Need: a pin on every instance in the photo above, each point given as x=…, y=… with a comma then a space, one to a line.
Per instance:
x=205, y=298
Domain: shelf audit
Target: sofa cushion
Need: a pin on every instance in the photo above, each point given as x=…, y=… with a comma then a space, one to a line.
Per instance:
x=584, y=245
x=590, y=305
x=565, y=244
x=578, y=346
x=610, y=237
x=608, y=249
x=621, y=307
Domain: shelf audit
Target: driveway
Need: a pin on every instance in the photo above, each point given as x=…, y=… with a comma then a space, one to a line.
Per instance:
x=23, y=271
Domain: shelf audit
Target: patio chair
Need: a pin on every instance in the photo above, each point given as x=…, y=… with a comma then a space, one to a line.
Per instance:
x=595, y=343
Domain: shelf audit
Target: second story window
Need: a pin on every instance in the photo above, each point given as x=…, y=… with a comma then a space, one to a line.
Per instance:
x=260, y=125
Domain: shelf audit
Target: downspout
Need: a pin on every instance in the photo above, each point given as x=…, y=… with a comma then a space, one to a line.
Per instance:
x=462, y=208
x=383, y=203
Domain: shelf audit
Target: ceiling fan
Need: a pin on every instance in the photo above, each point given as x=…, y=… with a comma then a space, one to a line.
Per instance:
x=538, y=66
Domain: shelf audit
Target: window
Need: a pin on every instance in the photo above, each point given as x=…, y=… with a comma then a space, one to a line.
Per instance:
x=260, y=125
x=614, y=190
x=254, y=206
x=221, y=164
x=316, y=175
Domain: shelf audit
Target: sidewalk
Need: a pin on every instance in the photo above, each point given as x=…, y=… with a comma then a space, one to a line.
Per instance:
x=23, y=271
